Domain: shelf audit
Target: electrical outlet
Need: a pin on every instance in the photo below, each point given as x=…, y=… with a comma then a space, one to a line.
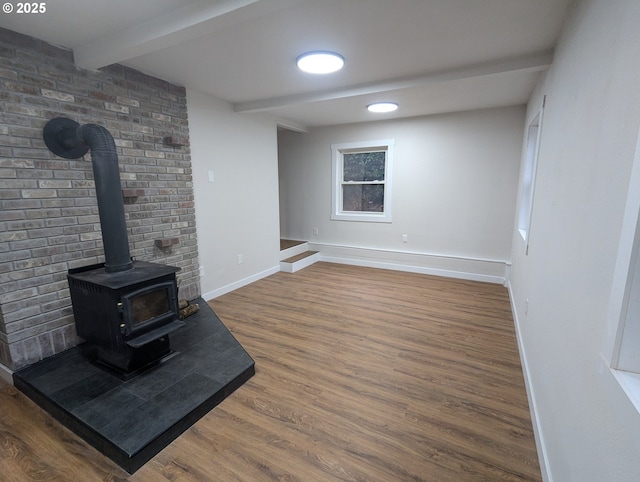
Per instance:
x=201, y=271
x=240, y=259
x=315, y=231
x=405, y=238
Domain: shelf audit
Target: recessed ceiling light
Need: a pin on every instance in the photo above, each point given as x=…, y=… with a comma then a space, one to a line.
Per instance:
x=382, y=107
x=320, y=62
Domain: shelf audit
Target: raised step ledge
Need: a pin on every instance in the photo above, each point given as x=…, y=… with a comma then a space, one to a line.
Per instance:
x=300, y=248
x=299, y=261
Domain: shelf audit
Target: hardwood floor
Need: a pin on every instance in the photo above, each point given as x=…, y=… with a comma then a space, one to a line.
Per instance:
x=289, y=243
x=361, y=374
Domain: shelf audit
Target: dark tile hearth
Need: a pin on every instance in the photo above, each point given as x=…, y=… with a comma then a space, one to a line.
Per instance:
x=131, y=421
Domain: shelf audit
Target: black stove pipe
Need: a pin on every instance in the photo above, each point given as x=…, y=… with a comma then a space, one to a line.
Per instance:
x=70, y=140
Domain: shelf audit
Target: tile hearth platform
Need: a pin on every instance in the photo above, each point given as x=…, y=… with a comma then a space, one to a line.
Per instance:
x=131, y=421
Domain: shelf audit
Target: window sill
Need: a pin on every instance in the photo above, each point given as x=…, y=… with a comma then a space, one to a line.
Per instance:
x=630, y=383
x=367, y=218
x=523, y=233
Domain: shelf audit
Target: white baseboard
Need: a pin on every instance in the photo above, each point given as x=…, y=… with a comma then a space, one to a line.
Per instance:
x=475, y=269
x=541, y=447
x=6, y=374
x=240, y=283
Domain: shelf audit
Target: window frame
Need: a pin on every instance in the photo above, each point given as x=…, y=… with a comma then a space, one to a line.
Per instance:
x=525, y=209
x=337, y=153
x=624, y=308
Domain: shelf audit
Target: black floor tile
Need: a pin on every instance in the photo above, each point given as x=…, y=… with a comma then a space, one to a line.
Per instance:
x=131, y=421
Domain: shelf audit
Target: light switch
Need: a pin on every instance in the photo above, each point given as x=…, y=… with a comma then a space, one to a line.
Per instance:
x=210, y=176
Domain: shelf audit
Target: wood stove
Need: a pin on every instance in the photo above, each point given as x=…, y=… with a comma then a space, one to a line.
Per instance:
x=127, y=316
x=124, y=309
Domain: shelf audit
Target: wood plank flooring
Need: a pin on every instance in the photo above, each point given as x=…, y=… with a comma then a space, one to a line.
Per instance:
x=289, y=243
x=361, y=374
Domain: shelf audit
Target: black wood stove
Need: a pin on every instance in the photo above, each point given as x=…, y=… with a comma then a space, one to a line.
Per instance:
x=124, y=309
x=126, y=316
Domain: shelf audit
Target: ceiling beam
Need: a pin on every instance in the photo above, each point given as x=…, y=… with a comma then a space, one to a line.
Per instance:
x=180, y=25
x=535, y=62
x=291, y=125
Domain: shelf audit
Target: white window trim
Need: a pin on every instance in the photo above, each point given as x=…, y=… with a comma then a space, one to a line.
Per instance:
x=336, y=190
x=525, y=209
x=625, y=293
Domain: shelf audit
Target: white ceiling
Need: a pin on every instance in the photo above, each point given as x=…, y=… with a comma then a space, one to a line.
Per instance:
x=430, y=56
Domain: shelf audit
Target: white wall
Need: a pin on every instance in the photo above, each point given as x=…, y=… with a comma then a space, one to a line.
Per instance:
x=455, y=181
x=237, y=214
x=588, y=429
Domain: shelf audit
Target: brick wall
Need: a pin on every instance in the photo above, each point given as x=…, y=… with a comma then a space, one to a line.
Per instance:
x=49, y=216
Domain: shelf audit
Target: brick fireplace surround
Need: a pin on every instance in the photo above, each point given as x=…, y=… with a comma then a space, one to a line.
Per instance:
x=49, y=215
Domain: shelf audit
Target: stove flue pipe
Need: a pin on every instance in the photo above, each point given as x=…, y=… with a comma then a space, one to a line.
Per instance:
x=68, y=139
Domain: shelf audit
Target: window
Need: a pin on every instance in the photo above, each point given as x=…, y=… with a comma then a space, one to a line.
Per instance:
x=627, y=351
x=625, y=292
x=529, y=176
x=362, y=181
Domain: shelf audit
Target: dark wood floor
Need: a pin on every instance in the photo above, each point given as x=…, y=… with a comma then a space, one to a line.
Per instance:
x=362, y=374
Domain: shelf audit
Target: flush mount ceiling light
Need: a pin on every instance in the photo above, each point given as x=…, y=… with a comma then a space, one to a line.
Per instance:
x=379, y=107
x=320, y=62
